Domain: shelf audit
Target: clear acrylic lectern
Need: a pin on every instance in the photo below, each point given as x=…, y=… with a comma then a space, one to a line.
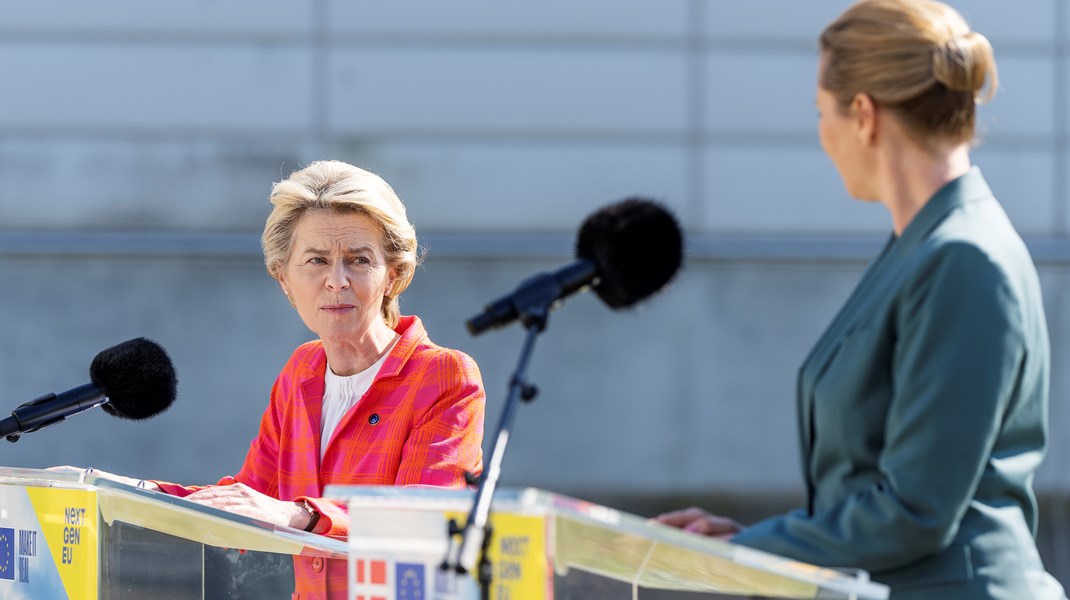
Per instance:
x=547, y=546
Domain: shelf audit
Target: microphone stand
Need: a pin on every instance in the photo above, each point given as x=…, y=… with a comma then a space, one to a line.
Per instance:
x=533, y=307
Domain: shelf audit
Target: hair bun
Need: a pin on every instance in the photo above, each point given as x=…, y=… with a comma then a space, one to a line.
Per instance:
x=964, y=63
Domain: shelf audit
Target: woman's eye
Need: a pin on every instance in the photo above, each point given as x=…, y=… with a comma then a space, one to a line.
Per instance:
x=317, y=260
x=363, y=260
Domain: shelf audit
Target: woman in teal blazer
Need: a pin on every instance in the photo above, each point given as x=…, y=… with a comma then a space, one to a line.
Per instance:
x=923, y=407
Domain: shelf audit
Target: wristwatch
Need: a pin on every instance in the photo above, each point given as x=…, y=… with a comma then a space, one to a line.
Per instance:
x=313, y=515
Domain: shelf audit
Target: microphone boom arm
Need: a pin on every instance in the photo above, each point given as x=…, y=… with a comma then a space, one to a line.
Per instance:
x=49, y=410
x=535, y=295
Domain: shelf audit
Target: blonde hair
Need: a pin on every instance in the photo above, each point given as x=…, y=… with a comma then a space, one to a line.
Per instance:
x=341, y=188
x=917, y=58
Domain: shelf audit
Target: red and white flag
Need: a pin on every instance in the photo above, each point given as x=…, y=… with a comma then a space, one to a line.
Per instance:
x=371, y=581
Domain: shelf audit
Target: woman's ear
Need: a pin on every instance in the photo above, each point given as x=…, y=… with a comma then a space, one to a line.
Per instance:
x=285, y=288
x=393, y=275
x=866, y=115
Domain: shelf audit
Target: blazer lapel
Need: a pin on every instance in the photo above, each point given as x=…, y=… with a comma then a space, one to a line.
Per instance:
x=828, y=344
x=312, y=386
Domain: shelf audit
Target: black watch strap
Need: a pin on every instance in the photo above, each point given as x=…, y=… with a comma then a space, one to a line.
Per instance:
x=313, y=516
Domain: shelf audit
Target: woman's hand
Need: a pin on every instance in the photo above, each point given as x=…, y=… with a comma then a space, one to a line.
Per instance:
x=241, y=499
x=699, y=521
x=87, y=471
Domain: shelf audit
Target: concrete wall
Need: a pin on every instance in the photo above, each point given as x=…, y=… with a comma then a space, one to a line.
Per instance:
x=138, y=143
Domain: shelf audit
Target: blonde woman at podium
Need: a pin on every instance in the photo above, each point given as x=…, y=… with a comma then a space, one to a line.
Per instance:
x=923, y=407
x=372, y=401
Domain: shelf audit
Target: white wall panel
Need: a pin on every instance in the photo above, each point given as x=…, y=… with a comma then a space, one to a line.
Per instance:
x=1023, y=181
x=761, y=93
x=166, y=185
x=1025, y=101
x=1026, y=21
x=1054, y=473
x=507, y=90
x=807, y=195
x=1062, y=196
x=521, y=187
x=1064, y=105
x=487, y=17
x=746, y=356
x=1064, y=27
x=173, y=16
x=171, y=87
x=776, y=190
x=771, y=19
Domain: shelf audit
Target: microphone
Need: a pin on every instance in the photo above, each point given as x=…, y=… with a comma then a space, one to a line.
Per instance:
x=132, y=380
x=625, y=252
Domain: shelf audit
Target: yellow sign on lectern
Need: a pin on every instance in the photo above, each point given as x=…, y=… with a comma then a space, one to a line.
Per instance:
x=49, y=543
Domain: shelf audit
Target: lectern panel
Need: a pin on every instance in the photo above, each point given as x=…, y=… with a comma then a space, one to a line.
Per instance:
x=74, y=536
x=140, y=563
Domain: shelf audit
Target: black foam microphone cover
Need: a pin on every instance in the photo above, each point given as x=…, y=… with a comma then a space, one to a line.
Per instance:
x=137, y=377
x=637, y=246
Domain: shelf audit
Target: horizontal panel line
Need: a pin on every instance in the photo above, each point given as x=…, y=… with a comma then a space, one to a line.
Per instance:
x=11, y=132
x=788, y=45
x=802, y=45
x=128, y=244
x=344, y=40
x=711, y=138
x=32, y=133
x=475, y=246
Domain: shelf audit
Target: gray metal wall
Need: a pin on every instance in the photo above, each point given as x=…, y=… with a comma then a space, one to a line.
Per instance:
x=138, y=142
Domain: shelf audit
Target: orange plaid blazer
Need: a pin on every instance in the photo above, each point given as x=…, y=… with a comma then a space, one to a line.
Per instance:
x=429, y=404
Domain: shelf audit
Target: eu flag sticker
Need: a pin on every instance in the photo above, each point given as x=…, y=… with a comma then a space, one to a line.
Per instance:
x=410, y=581
x=7, y=553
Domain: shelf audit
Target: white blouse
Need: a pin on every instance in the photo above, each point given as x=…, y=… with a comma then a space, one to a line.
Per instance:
x=341, y=394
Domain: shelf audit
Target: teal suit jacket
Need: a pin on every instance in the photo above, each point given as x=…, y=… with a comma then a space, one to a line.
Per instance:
x=923, y=414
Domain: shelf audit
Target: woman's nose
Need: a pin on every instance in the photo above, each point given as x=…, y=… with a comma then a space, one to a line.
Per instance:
x=337, y=277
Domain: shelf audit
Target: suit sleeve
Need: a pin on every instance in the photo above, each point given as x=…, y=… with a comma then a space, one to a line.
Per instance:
x=954, y=370
x=447, y=433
